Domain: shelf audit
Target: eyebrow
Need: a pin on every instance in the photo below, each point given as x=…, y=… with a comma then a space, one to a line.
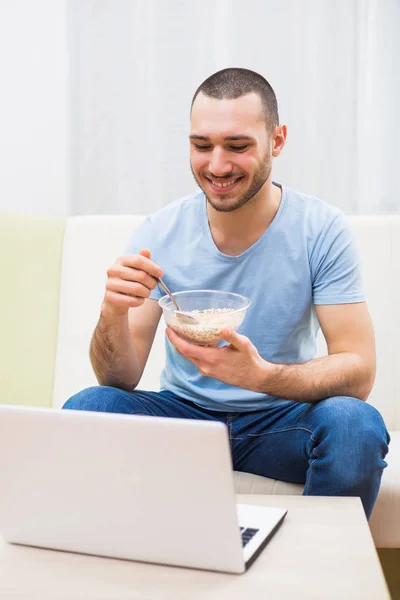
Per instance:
x=228, y=138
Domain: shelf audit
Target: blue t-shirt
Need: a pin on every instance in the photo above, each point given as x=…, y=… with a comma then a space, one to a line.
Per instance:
x=306, y=256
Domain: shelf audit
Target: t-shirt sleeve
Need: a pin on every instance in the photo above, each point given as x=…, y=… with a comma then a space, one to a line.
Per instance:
x=335, y=266
x=143, y=237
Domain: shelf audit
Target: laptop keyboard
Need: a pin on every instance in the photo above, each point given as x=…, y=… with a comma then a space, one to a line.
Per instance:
x=247, y=533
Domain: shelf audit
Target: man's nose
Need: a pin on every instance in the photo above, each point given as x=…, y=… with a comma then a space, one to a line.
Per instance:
x=219, y=165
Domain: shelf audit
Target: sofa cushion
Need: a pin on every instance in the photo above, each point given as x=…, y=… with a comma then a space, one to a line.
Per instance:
x=385, y=518
x=30, y=262
x=91, y=245
x=378, y=238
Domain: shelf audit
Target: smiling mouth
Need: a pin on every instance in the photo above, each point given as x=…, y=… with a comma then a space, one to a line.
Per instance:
x=225, y=185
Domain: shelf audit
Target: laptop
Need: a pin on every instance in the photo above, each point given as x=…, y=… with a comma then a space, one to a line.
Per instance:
x=143, y=488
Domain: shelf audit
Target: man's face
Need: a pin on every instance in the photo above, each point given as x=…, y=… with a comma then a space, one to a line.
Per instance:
x=230, y=149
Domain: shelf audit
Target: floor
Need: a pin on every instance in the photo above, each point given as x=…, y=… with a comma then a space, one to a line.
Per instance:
x=390, y=561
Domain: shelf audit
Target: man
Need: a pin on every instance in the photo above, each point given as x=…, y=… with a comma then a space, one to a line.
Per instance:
x=290, y=416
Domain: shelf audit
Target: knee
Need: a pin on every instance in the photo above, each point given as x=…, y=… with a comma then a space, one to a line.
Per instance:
x=96, y=398
x=352, y=422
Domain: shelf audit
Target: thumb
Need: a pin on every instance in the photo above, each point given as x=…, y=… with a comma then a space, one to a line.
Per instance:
x=145, y=252
x=238, y=341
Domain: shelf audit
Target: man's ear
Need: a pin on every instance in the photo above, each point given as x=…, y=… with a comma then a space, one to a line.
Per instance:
x=278, y=139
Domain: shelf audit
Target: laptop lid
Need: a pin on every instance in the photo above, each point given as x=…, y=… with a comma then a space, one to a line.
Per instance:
x=146, y=488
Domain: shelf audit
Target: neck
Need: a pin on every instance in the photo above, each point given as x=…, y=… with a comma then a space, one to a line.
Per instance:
x=233, y=232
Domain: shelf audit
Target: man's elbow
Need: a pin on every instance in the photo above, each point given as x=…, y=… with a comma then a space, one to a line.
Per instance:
x=366, y=382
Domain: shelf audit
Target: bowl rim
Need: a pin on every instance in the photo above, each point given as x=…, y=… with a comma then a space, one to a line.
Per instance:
x=165, y=298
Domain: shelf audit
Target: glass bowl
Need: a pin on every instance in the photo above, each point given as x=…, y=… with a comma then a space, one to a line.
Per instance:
x=213, y=310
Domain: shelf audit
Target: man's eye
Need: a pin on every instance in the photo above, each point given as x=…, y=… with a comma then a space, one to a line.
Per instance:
x=239, y=148
x=202, y=148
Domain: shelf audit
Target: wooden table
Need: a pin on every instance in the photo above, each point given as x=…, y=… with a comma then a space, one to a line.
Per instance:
x=324, y=549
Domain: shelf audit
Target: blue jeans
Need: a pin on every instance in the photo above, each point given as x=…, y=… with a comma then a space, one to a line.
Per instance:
x=335, y=447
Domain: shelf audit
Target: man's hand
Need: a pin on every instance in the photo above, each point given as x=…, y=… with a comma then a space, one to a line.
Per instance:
x=237, y=364
x=130, y=281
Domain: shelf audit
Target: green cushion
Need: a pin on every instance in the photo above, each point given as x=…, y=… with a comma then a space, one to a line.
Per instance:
x=30, y=271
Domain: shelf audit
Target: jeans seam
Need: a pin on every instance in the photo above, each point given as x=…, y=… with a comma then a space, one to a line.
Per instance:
x=280, y=431
x=307, y=488
x=229, y=423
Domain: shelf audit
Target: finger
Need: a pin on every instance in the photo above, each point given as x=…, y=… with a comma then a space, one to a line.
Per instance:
x=184, y=347
x=238, y=341
x=145, y=252
x=141, y=262
x=122, y=301
x=128, y=288
x=204, y=363
x=130, y=274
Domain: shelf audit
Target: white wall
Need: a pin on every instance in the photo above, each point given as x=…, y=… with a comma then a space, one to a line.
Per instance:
x=34, y=146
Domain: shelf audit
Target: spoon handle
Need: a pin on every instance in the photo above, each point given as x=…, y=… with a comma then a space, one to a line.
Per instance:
x=166, y=290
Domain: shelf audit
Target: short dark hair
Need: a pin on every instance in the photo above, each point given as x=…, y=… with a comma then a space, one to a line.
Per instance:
x=235, y=82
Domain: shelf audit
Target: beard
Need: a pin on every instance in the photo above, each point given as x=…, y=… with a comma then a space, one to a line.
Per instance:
x=260, y=177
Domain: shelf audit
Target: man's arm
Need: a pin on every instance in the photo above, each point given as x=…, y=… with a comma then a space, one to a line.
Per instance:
x=121, y=344
x=128, y=322
x=349, y=368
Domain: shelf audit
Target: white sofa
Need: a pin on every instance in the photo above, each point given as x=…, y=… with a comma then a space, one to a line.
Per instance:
x=91, y=243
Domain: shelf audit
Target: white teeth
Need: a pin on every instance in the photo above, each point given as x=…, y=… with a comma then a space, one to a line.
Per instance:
x=222, y=185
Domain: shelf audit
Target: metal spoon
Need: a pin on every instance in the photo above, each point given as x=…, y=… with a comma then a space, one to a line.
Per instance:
x=182, y=315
